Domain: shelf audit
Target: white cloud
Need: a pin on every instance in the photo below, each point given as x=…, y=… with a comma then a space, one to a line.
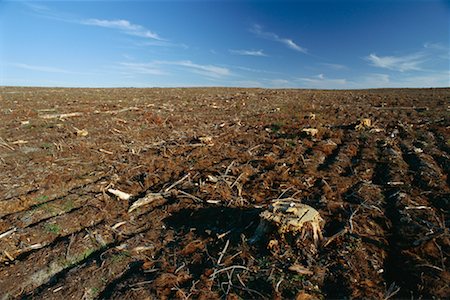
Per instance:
x=402, y=80
x=255, y=70
x=279, y=83
x=248, y=52
x=441, y=79
x=397, y=63
x=142, y=68
x=257, y=29
x=320, y=81
x=371, y=80
x=124, y=26
x=247, y=83
x=435, y=46
x=334, y=66
x=206, y=70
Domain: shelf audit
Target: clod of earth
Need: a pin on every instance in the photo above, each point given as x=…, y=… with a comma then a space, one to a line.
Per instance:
x=289, y=215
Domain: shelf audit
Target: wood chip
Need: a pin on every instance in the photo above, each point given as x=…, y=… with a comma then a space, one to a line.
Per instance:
x=9, y=256
x=120, y=194
x=139, y=249
x=19, y=142
x=300, y=269
x=117, y=225
x=106, y=151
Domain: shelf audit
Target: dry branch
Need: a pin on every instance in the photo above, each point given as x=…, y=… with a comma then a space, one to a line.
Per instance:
x=5, y=144
x=106, y=151
x=177, y=183
x=6, y=233
x=113, y=112
x=226, y=269
x=149, y=198
x=62, y=116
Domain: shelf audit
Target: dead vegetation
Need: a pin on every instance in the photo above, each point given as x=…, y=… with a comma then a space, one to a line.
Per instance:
x=224, y=193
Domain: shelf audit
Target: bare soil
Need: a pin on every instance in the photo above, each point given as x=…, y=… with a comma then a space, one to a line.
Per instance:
x=218, y=156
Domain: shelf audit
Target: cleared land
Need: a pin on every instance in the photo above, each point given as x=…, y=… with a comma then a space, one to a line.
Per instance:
x=204, y=163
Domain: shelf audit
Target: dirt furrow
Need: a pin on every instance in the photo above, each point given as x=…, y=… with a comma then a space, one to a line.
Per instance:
x=417, y=231
x=42, y=234
x=64, y=188
x=23, y=277
x=97, y=273
x=360, y=232
x=428, y=176
x=134, y=244
x=42, y=212
x=44, y=196
x=71, y=251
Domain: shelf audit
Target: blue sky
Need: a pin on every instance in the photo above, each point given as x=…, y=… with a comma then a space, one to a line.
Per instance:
x=301, y=44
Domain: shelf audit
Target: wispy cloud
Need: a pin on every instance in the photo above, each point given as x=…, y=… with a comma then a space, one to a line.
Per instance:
x=323, y=82
x=378, y=80
x=142, y=68
x=279, y=83
x=435, y=46
x=124, y=26
x=334, y=66
x=410, y=62
x=248, y=52
x=370, y=80
x=253, y=70
x=247, y=83
x=258, y=30
x=206, y=70
x=46, y=69
x=438, y=79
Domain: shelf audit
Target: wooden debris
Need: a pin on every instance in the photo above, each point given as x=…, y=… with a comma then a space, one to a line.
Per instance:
x=106, y=151
x=120, y=194
x=19, y=142
x=81, y=132
x=9, y=256
x=364, y=124
x=213, y=201
x=139, y=249
x=149, y=198
x=6, y=233
x=290, y=215
x=177, y=182
x=310, y=131
x=5, y=144
x=207, y=140
x=212, y=178
x=297, y=268
x=117, y=225
x=62, y=116
x=114, y=112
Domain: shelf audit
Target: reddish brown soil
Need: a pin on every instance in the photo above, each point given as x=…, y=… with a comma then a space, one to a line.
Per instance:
x=383, y=192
